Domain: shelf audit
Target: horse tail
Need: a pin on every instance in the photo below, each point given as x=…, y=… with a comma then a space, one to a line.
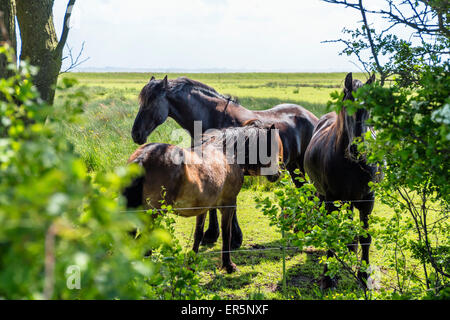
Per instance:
x=133, y=193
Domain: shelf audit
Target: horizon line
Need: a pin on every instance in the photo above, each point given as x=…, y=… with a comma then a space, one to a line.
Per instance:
x=205, y=70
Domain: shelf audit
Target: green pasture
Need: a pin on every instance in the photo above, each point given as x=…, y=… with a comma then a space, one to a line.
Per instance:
x=102, y=138
x=104, y=141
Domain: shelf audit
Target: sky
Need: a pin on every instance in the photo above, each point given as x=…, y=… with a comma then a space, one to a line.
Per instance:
x=199, y=35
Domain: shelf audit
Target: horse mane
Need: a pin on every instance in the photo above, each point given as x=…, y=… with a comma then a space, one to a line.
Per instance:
x=249, y=132
x=252, y=122
x=185, y=81
x=250, y=128
x=147, y=92
x=345, y=124
x=182, y=83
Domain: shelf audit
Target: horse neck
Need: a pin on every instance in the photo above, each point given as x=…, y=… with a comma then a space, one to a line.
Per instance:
x=181, y=112
x=345, y=129
x=187, y=106
x=348, y=128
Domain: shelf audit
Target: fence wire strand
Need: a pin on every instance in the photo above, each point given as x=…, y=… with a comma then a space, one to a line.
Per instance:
x=223, y=207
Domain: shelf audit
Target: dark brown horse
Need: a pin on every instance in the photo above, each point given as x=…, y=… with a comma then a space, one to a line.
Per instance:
x=332, y=163
x=209, y=175
x=187, y=101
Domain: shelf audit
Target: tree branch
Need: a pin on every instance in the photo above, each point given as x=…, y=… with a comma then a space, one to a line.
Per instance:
x=74, y=62
x=350, y=47
x=372, y=45
x=427, y=23
x=66, y=27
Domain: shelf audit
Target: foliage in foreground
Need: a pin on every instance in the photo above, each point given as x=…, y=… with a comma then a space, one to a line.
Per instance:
x=176, y=268
x=304, y=222
x=412, y=144
x=411, y=119
x=63, y=232
x=412, y=126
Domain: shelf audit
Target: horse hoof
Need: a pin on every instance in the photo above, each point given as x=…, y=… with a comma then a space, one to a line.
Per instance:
x=230, y=268
x=327, y=283
x=210, y=237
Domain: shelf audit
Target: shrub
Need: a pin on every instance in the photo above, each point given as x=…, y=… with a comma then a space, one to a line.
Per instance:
x=64, y=233
x=412, y=141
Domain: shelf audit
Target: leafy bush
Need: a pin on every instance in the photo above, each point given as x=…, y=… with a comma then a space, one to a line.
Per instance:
x=303, y=219
x=64, y=233
x=412, y=141
x=177, y=268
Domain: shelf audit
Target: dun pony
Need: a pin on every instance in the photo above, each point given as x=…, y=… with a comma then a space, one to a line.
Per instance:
x=209, y=175
x=187, y=101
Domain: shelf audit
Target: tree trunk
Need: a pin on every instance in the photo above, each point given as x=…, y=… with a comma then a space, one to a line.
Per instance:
x=9, y=11
x=40, y=43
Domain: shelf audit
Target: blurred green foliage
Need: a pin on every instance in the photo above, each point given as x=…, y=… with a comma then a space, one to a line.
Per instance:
x=64, y=232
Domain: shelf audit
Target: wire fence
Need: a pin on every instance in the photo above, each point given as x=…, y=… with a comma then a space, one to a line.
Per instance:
x=280, y=248
x=253, y=206
x=222, y=207
x=242, y=206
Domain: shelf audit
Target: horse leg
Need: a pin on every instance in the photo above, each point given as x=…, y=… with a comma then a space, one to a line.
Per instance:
x=227, y=218
x=326, y=281
x=236, y=233
x=212, y=234
x=353, y=246
x=365, y=209
x=198, y=236
x=294, y=176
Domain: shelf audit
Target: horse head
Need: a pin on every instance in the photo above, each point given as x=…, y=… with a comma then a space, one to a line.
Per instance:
x=355, y=124
x=153, y=109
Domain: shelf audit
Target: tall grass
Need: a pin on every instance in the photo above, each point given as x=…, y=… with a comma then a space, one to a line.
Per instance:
x=102, y=136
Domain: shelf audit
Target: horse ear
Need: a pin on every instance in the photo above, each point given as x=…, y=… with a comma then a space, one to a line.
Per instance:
x=165, y=82
x=152, y=78
x=349, y=82
x=371, y=79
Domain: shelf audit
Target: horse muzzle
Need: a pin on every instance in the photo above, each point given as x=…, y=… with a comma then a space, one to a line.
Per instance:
x=140, y=136
x=273, y=177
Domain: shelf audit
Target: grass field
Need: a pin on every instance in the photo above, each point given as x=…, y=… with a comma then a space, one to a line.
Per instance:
x=102, y=138
x=113, y=104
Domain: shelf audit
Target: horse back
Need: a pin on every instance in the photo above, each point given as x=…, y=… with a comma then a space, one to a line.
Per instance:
x=214, y=182
x=163, y=172
x=186, y=179
x=295, y=125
